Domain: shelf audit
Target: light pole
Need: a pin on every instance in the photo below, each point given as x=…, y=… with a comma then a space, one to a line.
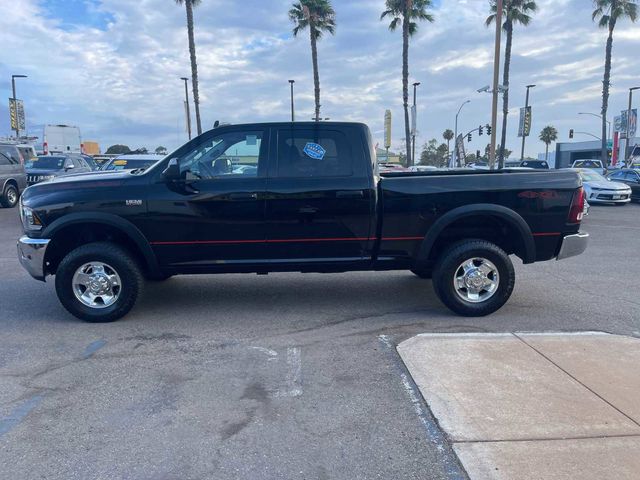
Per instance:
x=455, y=142
x=415, y=121
x=293, y=113
x=598, y=116
x=526, y=108
x=496, y=79
x=15, y=102
x=186, y=103
x=627, y=150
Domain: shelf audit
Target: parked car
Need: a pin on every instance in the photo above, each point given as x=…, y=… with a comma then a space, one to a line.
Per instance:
x=423, y=168
x=512, y=163
x=537, y=164
x=13, y=179
x=315, y=204
x=590, y=164
x=131, y=162
x=27, y=151
x=61, y=139
x=599, y=189
x=629, y=177
x=47, y=167
x=88, y=159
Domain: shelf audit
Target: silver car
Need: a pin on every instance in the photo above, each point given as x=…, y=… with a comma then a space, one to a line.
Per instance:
x=599, y=189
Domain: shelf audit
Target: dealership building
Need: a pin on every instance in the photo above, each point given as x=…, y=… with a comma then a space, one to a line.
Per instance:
x=568, y=152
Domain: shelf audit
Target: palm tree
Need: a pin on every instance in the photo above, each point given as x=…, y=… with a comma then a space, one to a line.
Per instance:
x=548, y=135
x=189, y=4
x=514, y=12
x=404, y=12
x=609, y=12
x=319, y=17
x=448, y=136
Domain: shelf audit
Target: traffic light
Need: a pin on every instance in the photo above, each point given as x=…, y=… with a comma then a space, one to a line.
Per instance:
x=488, y=129
x=469, y=137
x=480, y=130
x=571, y=133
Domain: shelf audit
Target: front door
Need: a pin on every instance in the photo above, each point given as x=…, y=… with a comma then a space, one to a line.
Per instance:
x=214, y=216
x=319, y=196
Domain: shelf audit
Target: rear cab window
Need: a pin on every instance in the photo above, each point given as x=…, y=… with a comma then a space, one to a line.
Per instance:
x=308, y=152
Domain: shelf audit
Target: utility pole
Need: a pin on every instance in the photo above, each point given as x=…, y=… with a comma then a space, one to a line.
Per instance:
x=627, y=150
x=415, y=121
x=186, y=104
x=526, y=108
x=15, y=102
x=293, y=113
x=496, y=79
x=455, y=141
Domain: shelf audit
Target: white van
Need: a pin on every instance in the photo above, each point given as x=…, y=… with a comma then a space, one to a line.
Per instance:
x=61, y=139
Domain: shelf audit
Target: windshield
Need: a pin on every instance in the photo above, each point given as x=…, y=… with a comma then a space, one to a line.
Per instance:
x=46, y=162
x=587, y=164
x=129, y=164
x=592, y=177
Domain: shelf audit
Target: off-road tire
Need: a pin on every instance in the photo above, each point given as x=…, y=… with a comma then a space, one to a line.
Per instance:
x=445, y=271
x=126, y=266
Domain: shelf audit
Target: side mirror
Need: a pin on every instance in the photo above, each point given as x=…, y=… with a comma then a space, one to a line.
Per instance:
x=172, y=172
x=71, y=166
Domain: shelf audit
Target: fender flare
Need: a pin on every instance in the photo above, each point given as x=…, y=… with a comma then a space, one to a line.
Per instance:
x=119, y=223
x=512, y=218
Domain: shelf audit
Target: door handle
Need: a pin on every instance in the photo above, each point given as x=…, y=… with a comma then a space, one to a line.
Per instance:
x=350, y=194
x=243, y=196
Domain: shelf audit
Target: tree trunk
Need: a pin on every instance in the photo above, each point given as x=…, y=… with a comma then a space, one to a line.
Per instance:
x=505, y=95
x=405, y=77
x=316, y=74
x=605, y=93
x=194, y=65
x=546, y=153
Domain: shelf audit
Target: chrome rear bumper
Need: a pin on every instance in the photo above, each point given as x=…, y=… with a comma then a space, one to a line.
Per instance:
x=31, y=252
x=573, y=245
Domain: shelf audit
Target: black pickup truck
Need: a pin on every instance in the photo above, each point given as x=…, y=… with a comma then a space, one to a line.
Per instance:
x=301, y=197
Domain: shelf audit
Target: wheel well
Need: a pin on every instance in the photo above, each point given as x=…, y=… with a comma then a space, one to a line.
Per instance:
x=73, y=236
x=485, y=227
x=11, y=181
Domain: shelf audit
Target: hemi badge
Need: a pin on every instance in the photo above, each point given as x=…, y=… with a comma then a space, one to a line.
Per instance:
x=133, y=203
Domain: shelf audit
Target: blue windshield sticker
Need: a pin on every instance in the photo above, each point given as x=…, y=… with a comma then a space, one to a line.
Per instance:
x=314, y=151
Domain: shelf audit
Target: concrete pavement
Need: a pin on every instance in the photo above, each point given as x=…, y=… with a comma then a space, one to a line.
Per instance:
x=534, y=406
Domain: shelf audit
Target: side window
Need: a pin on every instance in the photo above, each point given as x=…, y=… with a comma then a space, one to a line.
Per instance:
x=11, y=153
x=632, y=177
x=228, y=155
x=618, y=175
x=314, y=153
x=4, y=160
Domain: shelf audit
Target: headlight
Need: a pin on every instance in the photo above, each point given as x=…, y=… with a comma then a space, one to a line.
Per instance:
x=30, y=220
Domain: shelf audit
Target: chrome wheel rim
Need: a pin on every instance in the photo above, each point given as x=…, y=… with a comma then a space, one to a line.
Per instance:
x=476, y=280
x=96, y=285
x=12, y=196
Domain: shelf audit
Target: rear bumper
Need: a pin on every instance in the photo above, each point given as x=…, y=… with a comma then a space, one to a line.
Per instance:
x=573, y=245
x=31, y=252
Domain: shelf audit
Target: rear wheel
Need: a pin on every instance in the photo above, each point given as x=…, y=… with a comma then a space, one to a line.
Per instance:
x=99, y=282
x=10, y=196
x=474, y=278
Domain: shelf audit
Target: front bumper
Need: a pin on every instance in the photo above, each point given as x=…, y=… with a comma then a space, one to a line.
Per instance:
x=31, y=252
x=573, y=245
x=609, y=196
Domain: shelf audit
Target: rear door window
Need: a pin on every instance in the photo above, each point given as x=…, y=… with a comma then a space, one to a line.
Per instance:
x=314, y=153
x=4, y=160
x=11, y=152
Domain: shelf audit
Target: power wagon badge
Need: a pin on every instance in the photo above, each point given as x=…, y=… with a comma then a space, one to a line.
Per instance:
x=314, y=151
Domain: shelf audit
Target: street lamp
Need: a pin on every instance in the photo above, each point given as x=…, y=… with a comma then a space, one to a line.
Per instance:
x=15, y=102
x=496, y=79
x=455, y=142
x=598, y=116
x=186, y=105
x=414, y=126
x=293, y=114
x=627, y=152
x=526, y=108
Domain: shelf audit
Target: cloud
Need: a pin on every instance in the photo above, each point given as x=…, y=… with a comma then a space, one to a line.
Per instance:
x=112, y=67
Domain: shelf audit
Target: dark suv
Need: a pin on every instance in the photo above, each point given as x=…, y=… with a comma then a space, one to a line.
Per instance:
x=12, y=177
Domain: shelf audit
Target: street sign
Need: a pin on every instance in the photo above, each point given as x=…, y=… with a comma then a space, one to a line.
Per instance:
x=524, y=129
x=623, y=123
x=16, y=114
x=617, y=123
x=460, y=153
x=387, y=129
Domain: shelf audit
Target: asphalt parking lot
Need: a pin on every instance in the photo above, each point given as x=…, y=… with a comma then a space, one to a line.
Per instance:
x=265, y=377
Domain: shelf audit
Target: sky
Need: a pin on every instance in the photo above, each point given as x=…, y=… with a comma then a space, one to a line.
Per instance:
x=113, y=67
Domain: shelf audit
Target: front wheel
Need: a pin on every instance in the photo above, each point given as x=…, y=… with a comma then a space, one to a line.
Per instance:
x=99, y=282
x=474, y=278
x=10, y=196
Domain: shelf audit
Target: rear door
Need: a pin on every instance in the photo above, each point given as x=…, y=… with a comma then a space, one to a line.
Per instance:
x=633, y=180
x=319, y=202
